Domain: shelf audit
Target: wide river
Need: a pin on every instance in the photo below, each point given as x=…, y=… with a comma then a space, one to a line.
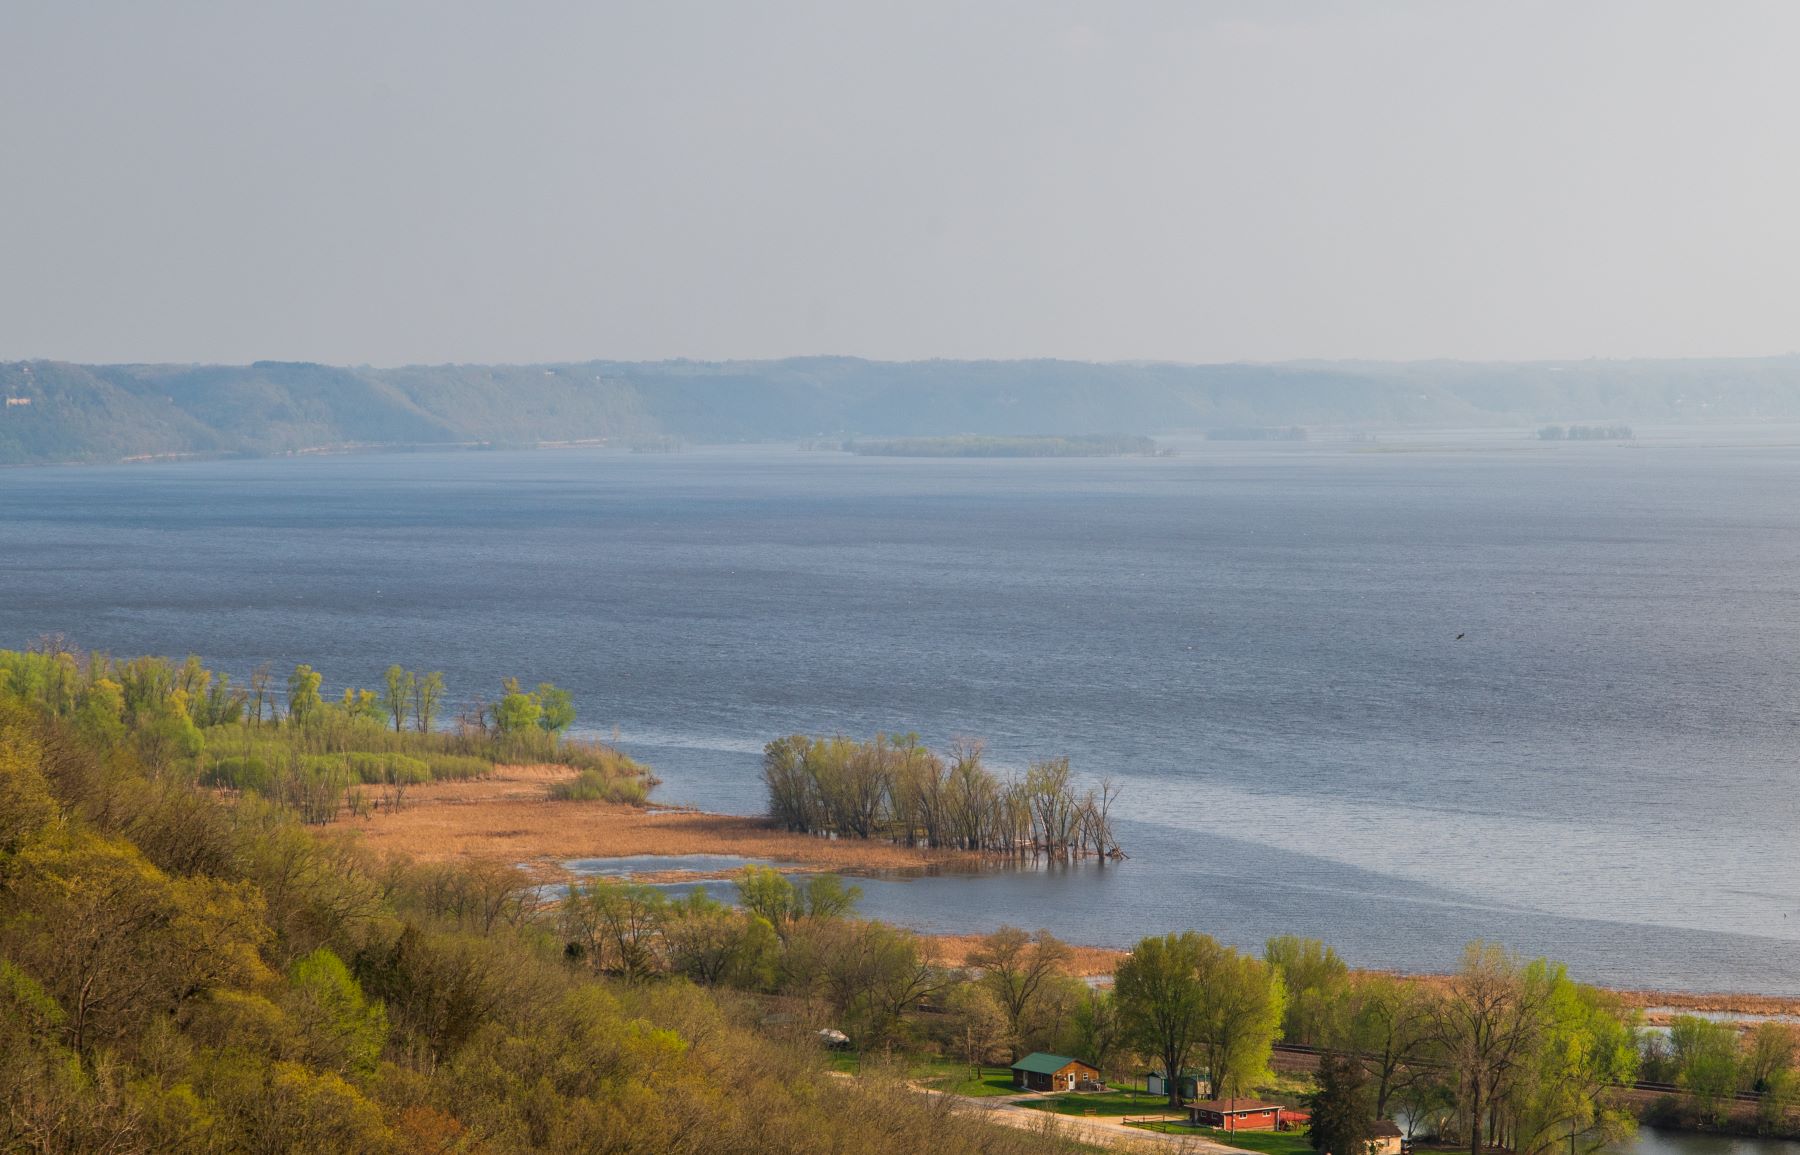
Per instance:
x=1395, y=696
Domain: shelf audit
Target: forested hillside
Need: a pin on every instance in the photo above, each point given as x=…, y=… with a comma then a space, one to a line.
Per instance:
x=184, y=969
x=194, y=956
x=57, y=411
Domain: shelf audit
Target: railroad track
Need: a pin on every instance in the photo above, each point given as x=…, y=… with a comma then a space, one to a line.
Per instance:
x=1646, y=1085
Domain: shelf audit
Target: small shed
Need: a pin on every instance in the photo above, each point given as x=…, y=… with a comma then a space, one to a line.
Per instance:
x=1156, y=1083
x=1235, y=1114
x=1043, y=1072
x=1386, y=1139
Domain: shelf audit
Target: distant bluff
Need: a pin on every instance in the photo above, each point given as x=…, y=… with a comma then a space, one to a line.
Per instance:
x=58, y=411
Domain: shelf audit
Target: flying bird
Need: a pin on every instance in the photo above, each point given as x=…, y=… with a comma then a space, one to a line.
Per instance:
x=1459, y=637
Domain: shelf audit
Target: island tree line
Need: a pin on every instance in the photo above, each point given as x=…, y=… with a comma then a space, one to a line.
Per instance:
x=899, y=789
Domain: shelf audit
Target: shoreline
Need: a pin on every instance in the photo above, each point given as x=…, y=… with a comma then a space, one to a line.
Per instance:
x=509, y=817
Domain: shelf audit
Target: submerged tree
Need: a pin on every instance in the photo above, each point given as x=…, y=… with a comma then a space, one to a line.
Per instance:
x=893, y=786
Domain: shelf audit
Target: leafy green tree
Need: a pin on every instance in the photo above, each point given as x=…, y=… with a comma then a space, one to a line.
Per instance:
x=557, y=708
x=793, y=795
x=292, y=1108
x=713, y=944
x=193, y=678
x=304, y=702
x=400, y=685
x=164, y=734
x=981, y=1030
x=762, y=890
x=1096, y=1032
x=100, y=713
x=1558, y=1099
x=343, y=1030
x=117, y=942
x=1317, y=981
x=516, y=712
x=1161, y=1000
x=1242, y=1001
x=826, y=897
x=363, y=704
x=224, y=705
x=1779, y=1092
x=1343, y=1109
x=1706, y=1060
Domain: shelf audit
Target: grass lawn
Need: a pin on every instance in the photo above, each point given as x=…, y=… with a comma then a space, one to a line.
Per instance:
x=1101, y=1103
x=939, y=1075
x=959, y=1081
x=1263, y=1142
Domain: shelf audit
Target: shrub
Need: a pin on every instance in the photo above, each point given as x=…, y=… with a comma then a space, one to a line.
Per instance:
x=238, y=774
x=390, y=769
x=457, y=767
x=593, y=786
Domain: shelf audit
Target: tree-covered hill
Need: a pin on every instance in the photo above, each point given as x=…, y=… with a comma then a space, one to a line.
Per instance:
x=187, y=966
x=65, y=412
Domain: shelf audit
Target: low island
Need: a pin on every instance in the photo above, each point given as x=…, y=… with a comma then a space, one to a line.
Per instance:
x=969, y=445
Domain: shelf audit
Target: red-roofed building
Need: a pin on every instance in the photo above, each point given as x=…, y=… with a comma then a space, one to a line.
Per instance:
x=1236, y=1114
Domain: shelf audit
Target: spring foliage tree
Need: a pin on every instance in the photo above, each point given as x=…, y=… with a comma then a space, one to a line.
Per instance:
x=399, y=687
x=546, y=708
x=1706, y=1061
x=1316, y=980
x=1161, y=1000
x=1242, y=1002
x=304, y=702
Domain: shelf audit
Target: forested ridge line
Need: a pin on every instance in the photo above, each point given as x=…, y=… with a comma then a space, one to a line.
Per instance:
x=56, y=411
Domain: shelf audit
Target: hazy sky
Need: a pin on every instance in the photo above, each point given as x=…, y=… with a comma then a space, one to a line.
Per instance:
x=454, y=181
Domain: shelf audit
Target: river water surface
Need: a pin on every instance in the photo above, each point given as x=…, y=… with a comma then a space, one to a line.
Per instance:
x=1396, y=697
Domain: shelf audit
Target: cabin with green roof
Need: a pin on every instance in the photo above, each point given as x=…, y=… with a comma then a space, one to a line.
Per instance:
x=1042, y=1072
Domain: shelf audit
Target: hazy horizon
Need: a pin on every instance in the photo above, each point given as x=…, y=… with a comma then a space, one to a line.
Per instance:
x=1112, y=362
x=413, y=184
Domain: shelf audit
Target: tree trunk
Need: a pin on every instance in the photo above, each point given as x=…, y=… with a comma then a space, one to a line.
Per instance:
x=1475, y=1120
